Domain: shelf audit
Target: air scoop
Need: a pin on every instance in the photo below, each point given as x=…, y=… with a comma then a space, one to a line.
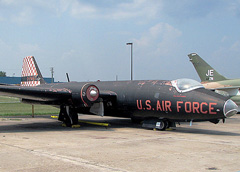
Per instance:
x=230, y=108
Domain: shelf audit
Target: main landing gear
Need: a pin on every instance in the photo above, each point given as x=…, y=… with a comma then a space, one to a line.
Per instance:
x=68, y=116
x=158, y=124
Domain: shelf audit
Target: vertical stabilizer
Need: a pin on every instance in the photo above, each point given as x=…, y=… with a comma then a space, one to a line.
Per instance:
x=204, y=70
x=31, y=75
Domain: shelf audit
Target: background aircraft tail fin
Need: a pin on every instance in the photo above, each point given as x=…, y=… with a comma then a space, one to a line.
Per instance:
x=31, y=75
x=204, y=70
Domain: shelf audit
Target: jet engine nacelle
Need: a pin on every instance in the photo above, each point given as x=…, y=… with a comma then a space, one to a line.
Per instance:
x=86, y=96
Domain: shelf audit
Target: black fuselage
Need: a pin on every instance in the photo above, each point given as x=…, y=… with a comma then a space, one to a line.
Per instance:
x=151, y=99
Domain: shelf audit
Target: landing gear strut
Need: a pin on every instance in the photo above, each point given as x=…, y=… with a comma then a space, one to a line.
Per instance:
x=68, y=116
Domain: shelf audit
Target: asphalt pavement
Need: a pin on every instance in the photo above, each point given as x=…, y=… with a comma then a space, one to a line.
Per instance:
x=42, y=144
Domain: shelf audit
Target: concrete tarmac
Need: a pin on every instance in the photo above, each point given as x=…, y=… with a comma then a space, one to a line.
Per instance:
x=41, y=144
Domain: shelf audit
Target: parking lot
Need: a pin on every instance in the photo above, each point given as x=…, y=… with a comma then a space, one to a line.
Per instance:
x=42, y=144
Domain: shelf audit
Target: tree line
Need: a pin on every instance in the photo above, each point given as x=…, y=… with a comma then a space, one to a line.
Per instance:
x=2, y=74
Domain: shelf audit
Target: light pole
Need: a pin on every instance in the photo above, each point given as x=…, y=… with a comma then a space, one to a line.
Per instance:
x=52, y=71
x=130, y=43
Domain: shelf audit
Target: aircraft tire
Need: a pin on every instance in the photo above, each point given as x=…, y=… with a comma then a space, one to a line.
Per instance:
x=74, y=116
x=163, y=125
x=167, y=124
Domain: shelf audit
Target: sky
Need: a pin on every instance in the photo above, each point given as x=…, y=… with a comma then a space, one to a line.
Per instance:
x=87, y=38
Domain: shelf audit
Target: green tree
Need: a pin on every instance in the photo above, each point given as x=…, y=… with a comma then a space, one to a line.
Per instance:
x=2, y=74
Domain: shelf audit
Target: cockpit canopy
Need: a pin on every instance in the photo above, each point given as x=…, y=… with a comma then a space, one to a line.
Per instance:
x=185, y=85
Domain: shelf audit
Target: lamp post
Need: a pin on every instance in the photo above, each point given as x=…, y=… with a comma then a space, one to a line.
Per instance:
x=131, y=44
x=52, y=71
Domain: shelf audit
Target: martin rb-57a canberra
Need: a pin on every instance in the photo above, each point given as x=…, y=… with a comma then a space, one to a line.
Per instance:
x=155, y=103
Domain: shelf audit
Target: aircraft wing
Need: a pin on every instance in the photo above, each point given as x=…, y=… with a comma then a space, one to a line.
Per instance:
x=227, y=91
x=225, y=88
x=52, y=95
x=35, y=93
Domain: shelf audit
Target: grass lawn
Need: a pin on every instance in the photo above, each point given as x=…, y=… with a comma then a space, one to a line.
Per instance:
x=12, y=106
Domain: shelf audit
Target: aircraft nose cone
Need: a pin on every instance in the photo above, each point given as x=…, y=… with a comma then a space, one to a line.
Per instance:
x=230, y=108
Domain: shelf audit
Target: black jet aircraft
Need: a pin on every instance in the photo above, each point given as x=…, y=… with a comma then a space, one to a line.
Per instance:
x=157, y=103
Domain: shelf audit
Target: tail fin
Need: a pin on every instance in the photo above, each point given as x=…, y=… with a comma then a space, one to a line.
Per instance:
x=204, y=70
x=31, y=75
